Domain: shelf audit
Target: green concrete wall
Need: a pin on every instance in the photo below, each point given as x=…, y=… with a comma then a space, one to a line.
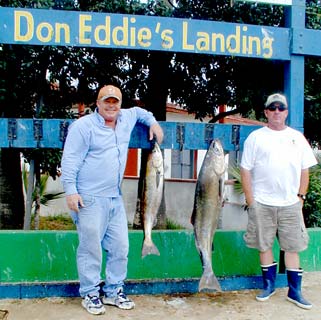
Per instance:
x=43, y=256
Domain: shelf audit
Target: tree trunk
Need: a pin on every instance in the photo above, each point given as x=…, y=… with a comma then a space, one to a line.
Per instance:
x=29, y=200
x=11, y=190
x=37, y=200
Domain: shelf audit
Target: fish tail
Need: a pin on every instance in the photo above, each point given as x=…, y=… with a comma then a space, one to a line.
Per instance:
x=149, y=248
x=209, y=281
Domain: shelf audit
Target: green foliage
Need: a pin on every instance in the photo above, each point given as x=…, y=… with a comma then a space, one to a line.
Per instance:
x=49, y=159
x=57, y=222
x=313, y=10
x=45, y=197
x=208, y=81
x=171, y=225
x=312, y=205
x=235, y=172
x=312, y=104
x=201, y=84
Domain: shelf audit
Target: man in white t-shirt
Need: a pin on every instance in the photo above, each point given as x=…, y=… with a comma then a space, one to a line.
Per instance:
x=275, y=177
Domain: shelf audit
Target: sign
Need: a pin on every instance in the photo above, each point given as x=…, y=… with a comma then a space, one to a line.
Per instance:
x=89, y=29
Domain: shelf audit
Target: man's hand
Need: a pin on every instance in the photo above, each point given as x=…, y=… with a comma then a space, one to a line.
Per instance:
x=157, y=131
x=74, y=201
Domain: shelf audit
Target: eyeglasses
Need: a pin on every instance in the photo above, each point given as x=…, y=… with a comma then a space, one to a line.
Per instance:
x=273, y=107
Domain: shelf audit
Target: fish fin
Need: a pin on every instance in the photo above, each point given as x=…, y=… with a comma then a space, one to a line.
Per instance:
x=209, y=281
x=149, y=248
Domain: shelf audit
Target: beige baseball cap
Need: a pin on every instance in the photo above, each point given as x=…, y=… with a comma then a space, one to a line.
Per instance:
x=276, y=97
x=109, y=92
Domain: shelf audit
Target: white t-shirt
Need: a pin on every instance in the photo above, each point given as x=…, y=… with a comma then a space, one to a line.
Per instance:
x=275, y=159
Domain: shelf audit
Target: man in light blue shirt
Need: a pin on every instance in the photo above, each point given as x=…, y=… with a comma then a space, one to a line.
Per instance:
x=93, y=165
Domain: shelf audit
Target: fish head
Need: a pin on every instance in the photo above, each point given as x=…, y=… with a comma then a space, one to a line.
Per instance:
x=157, y=156
x=218, y=156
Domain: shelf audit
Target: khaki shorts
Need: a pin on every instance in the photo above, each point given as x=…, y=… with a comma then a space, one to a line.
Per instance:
x=265, y=222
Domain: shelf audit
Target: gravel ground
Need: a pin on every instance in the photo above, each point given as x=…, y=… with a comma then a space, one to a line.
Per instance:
x=236, y=305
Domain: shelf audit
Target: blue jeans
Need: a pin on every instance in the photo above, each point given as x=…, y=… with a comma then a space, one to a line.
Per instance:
x=101, y=224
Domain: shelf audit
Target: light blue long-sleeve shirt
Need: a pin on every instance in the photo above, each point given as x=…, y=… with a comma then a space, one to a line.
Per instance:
x=94, y=156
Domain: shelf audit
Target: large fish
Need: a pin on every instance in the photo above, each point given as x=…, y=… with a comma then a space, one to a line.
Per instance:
x=207, y=207
x=152, y=197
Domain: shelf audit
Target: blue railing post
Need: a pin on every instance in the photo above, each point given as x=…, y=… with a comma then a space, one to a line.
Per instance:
x=294, y=68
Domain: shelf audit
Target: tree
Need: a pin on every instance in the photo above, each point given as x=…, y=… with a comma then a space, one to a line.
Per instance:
x=11, y=192
x=25, y=90
x=11, y=198
x=312, y=105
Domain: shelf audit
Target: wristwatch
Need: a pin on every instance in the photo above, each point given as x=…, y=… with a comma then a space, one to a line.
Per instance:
x=302, y=196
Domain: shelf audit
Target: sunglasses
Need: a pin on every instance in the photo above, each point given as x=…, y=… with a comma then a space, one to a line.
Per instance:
x=273, y=107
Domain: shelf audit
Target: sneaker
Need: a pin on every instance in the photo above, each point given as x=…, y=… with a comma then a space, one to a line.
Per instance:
x=120, y=300
x=93, y=305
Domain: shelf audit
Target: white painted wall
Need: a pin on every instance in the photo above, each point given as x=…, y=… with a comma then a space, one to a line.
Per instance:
x=179, y=197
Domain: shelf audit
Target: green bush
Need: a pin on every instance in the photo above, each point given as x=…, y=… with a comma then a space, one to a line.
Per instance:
x=57, y=222
x=312, y=205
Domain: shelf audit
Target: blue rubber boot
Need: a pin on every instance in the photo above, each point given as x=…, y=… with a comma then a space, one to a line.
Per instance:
x=269, y=276
x=294, y=294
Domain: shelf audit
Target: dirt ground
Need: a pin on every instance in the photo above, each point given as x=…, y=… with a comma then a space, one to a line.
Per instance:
x=236, y=305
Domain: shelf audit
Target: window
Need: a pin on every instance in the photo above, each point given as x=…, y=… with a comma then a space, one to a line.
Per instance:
x=182, y=164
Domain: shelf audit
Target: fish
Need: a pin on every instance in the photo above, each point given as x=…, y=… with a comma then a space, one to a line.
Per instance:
x=208, y=201
x=152, y=197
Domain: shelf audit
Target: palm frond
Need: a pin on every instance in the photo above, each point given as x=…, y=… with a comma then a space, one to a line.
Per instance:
x=317, y=154
x=47, y=197
x=235, y=172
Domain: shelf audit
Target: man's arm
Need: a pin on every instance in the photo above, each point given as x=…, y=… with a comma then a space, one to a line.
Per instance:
x=246, y=179
x=304, y=182
x=147, y=118
x=74, y=152
x=157, y=131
